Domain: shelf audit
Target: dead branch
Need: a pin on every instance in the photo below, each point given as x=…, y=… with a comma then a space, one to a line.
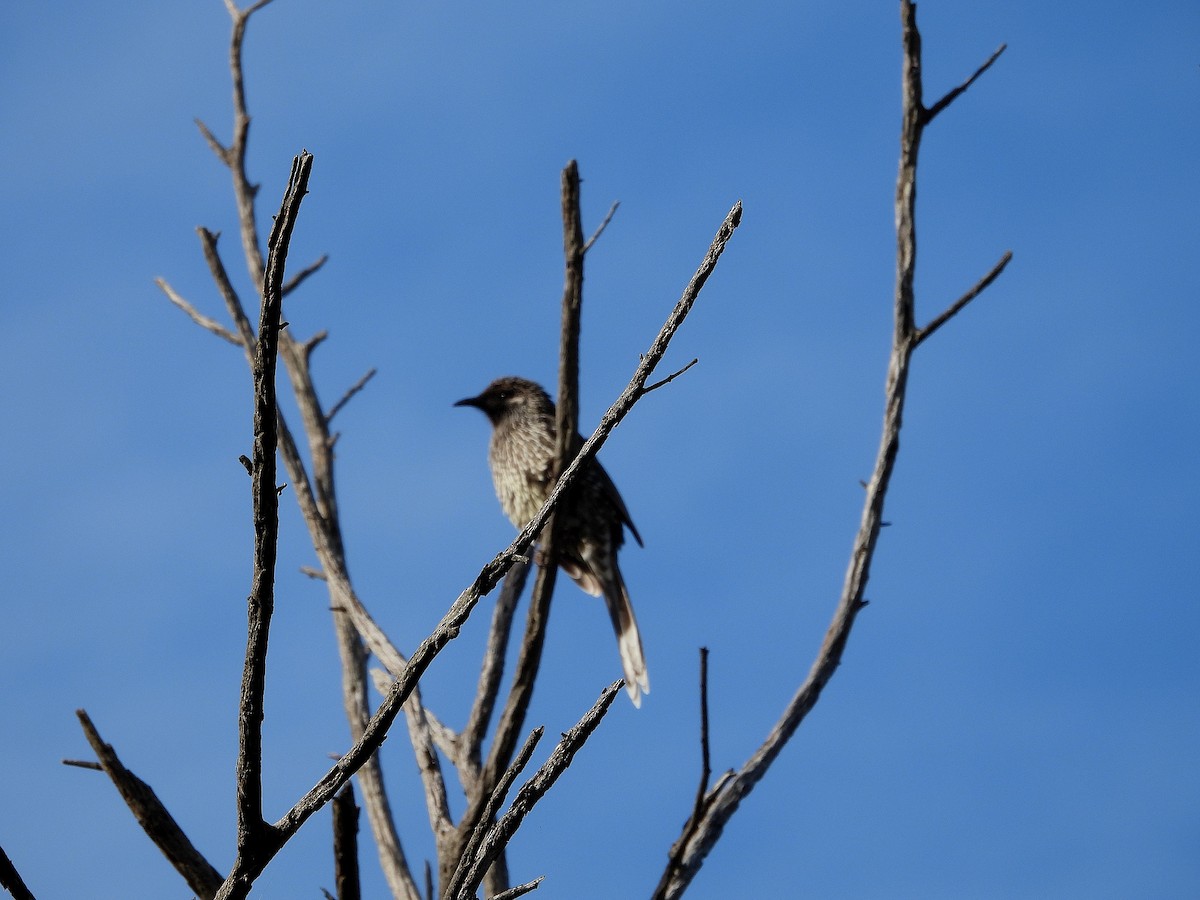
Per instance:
x=10, y=879
x=520, y=890
x=512, y=718
x=533, y=790
x=201, y=877
x=345, y=845
x=254, y=839
x=723, y=799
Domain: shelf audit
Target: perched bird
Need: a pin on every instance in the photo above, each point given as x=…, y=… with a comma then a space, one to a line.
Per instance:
x=591, y=520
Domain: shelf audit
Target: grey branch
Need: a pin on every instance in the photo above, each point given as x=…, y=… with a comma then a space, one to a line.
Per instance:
x=612, y=211
x=448, y=628
x=722, y=800
x=303, y=275
x=349, y=395
x=520, y=890
x=196, y=316
x=533, y=790
x=454, y=882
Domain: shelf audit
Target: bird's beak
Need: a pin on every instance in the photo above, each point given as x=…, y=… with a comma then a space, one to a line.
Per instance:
x=470, y=401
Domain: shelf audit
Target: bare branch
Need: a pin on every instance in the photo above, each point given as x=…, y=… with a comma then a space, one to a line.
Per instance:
x=723, y=799
x=83, y=764
x=533, y=790
x=674, y=861
x=345, y=845
x=216, y=146
x=953, y=95
x=196, y=316
x=454, y=882
x=150, y=813
x=10, y=879
x=448, y=628
x=520, y=890
x=300, y=277
x=490, y=672
x=612, y=211
x=668, y=379
x=966, y=298
x=233, y=303
x=251, y=831
x=349, y=395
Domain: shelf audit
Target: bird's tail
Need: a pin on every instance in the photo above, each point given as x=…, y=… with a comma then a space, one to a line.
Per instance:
x=629, y=640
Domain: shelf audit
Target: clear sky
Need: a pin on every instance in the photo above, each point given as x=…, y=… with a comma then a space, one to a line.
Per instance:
x=1018, y=712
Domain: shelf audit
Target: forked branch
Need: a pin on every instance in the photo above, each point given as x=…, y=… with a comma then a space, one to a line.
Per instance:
x=713, y=811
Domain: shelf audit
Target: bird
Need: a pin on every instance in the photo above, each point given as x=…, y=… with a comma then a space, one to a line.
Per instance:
x=591, y=520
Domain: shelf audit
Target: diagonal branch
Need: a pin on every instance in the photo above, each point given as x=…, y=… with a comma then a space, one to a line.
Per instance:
x=303, y=275
x=966, y=298
x=533, y=790
x=453, y=884
x=952, y=95
x=469, y=759
x=448, y=628
x=159, y=825
x=196, y=316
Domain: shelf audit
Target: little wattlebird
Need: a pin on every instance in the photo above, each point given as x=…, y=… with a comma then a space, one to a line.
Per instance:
x=591, y=521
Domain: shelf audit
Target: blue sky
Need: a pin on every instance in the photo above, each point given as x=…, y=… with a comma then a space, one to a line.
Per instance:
x=1017, y=711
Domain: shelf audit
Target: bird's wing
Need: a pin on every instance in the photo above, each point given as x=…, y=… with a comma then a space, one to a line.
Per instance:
x=610, y=491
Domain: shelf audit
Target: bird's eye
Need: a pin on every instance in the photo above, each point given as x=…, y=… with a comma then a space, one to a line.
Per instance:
x=502, y=396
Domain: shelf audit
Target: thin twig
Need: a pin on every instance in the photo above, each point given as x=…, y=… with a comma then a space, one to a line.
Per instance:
x=83, y=764
x=520, y=890
x=490, y=673
x=675, y=858
x=966, y=298
x=952, y=95
x=303, y=275
x=669, y=378
x=349, y=395
x=196, y=316
x=612, y=211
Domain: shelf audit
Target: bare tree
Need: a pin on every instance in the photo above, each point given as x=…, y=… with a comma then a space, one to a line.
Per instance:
x=471, y=849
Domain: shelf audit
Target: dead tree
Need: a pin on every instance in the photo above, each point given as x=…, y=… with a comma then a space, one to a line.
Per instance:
x=470, y=850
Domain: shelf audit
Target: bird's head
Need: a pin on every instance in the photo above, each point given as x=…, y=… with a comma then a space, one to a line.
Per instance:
x=510, y=396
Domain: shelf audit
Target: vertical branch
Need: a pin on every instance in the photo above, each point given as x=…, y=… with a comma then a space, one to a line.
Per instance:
x=251, y=828
x=512, y=718
x=345, y=845
x=720, y=803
